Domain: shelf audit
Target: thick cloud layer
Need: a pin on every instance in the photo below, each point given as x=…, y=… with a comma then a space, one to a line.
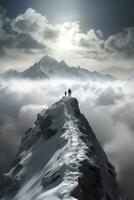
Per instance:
x=108, y=107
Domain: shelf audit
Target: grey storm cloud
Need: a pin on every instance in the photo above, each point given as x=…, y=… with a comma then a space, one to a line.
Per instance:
x=51, y=33
x=32, y=22
x=93, y=44
x=21, y=41
x=91, y=40
x=109, y=97
x=125, y=114
x=25, y=25
x=15, y=35
x=122, y=43
x=29, y=22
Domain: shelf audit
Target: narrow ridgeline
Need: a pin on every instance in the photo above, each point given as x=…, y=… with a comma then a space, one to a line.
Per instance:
x=60, y=159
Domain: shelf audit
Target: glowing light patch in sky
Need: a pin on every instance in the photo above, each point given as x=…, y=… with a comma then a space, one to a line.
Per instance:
x=65, y=43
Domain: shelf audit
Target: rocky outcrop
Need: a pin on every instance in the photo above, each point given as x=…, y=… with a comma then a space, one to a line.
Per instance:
x=60, y=158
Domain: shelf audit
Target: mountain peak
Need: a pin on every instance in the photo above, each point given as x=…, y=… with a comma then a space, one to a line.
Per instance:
x=47, y=60
x=63, y=63
x=49, y=68
x=11, y=73
x=60, y=158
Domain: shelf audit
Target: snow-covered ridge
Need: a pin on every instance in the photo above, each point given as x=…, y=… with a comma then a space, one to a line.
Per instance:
x=49, y=68
x=60, y=158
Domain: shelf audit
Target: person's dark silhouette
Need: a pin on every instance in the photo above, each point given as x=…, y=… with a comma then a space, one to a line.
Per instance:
x=65, y=93
x=69, y=92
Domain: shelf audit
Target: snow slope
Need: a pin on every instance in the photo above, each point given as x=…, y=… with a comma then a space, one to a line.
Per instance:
x=60, y=159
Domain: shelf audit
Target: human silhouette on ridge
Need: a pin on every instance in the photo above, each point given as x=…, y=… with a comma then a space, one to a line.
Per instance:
x=69, y=92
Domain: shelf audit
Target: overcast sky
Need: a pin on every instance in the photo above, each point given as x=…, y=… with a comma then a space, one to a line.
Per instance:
x=94, y=34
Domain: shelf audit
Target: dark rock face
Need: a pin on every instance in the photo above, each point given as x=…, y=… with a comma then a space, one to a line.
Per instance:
x=97, y=181
x=61, y=148
x=34, y=72
x=8, y=186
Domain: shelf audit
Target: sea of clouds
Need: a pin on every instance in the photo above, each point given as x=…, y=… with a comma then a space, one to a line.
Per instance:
x=108, y=106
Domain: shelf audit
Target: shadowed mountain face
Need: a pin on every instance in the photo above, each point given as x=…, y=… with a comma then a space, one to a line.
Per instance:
x=48, y=68
x=60, y=158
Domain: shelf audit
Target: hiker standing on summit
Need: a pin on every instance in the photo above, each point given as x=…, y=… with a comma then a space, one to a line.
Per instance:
x=69, y=92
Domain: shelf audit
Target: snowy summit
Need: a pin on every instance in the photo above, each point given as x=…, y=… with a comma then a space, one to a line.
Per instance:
x=48, y=68
x=60, y=159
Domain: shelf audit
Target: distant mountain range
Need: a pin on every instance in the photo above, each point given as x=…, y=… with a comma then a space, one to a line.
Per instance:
x=118, y=72
x=48, y=68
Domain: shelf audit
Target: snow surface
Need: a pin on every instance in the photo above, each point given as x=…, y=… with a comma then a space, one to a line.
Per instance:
x=57, y=157
x=49, y=167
